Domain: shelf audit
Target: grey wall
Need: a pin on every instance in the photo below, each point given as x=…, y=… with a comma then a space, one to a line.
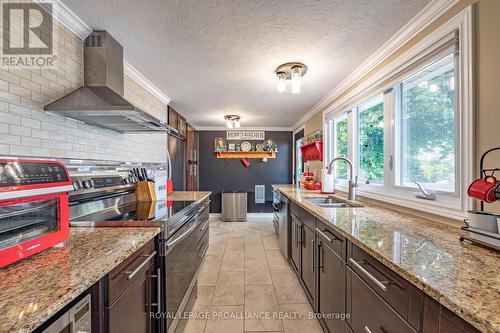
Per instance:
x=219, y=175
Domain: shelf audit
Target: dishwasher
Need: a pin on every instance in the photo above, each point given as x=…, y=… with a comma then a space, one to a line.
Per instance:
x=283, y=221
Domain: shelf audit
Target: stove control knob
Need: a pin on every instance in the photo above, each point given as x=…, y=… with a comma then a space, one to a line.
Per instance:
x=87, y=184
x=77, y=185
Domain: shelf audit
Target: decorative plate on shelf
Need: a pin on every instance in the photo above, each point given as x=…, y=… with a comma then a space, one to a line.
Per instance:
x=259, y=147
x=246, y=146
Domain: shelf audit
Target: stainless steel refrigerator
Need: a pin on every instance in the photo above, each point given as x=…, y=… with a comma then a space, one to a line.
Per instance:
x=176, y=153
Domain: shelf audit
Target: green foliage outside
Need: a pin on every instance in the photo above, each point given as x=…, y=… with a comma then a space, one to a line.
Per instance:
x=429, y=137
x=427, y=128
x=341, y=147
x=371, y=144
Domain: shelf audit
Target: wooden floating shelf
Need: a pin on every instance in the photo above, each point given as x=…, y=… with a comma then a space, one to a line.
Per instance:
x=246, y=154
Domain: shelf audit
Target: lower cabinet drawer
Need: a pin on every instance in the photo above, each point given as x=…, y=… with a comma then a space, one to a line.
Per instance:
x=369, y=312
x=124, y=275
x=390, y=286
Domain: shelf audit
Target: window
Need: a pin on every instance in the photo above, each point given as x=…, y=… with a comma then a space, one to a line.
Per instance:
x=371, y=141
x=412, y=122
x=341, y=146
x=427, y=122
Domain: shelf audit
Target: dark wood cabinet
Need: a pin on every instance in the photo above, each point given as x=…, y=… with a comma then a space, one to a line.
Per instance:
x=391, y=287
x=308, y=270
x=173, y=118
x=438, y=319
x=369, y=312
x=353, y=292
x=130, y=292
x=331, y=288
x=178, y=122
x=181, y=125
x=192, y=165
x=131, y=311
x=296, y=241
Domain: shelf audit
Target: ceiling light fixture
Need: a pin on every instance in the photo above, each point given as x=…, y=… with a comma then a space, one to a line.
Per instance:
x=293, y=71
x=232, y=121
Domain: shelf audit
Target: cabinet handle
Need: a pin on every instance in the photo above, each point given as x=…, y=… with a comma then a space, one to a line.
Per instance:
x=313, y=256
x=296, y=234
x=322, y=234
x=131, y=274
x=158, y=289
x=367, y=329
x=368, y=275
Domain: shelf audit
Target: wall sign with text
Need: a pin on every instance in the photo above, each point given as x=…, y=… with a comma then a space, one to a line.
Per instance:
x=246, y=135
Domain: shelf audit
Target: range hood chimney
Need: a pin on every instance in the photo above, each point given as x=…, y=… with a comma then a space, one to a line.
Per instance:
x=100, y=101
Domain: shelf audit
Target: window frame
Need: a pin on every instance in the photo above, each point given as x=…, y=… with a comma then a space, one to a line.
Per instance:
x=386, y=81
x=397, y=132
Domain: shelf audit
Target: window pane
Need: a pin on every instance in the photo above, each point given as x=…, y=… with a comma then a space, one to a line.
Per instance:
x=341, y=147
x=371, y=140
x=428, y=127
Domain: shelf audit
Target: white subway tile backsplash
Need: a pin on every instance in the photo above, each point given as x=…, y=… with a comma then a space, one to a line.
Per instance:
x=4, y=128
x=10, y=139
x=4, y=149
x=17, y=150
x=26, y=130
x=20, y=130
x=32, y=123
x=40, y=134
x=8, y=118
x=31, y=142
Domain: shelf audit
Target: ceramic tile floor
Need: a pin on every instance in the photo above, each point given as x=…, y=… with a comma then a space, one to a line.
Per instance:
x=246, y=285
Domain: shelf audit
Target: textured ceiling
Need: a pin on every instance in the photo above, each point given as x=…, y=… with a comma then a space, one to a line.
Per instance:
x=218, y=57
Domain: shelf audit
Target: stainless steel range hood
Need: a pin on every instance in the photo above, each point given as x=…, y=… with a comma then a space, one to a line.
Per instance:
x=100, y=102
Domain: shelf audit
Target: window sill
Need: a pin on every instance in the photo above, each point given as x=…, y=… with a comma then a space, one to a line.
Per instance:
x=452, y=208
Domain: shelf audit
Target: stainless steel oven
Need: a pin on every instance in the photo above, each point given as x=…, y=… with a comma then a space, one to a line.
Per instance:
x=183, y=252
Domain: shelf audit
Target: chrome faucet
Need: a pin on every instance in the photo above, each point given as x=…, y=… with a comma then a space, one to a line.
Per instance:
x=352, y=184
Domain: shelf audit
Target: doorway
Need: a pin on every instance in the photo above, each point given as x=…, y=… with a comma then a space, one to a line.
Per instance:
x=298, y=162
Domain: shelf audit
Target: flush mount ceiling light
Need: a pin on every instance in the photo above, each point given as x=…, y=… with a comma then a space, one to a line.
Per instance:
x=293, y=71
x=232, y=121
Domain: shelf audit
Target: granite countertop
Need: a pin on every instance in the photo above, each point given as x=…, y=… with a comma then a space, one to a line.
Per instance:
x=188, y=195
x=463, y=277
x=34, y=289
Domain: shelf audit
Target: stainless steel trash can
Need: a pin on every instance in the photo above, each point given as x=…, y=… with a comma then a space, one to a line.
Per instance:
x=234, y=207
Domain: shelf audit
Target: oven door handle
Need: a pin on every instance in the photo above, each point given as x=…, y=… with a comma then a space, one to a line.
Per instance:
x=181, y=237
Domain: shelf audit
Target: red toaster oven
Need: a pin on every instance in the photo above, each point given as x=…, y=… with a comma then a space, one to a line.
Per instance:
x=33, y=207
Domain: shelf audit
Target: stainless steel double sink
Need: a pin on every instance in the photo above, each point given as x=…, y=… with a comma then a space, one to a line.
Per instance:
x=329, y=202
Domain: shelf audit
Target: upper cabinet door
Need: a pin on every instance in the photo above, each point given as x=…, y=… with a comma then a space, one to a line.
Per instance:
x=181, y=125
x=173, y=118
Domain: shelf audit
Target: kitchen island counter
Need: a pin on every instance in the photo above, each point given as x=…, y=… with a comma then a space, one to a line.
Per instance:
x=462, y=277
x=197, y=196
x=34, y=289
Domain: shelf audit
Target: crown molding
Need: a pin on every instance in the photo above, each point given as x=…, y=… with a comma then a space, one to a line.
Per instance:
x=425, y=17
x=224, y=128
x=66, y=17
x=135, y=75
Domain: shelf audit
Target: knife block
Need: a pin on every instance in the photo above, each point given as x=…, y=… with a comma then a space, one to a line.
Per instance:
x=146, y=191
x=145, y=210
